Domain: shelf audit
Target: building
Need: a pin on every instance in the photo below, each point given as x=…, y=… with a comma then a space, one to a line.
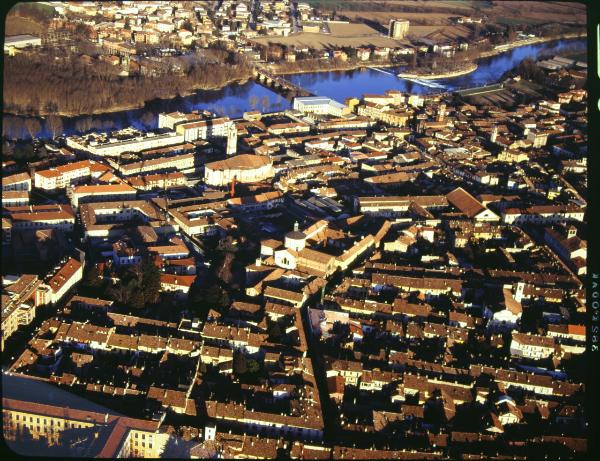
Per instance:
x=398, y=28
x=569, y=247
x=320, y=105
x=113, y=147
x=470, y=206
x=179, y=285
x=108, y=435
x=125, y=254
x=15, y=198
x=42, y=217
x=245, y=168
x=101, y=193
x=396, y=206
x=363, y=54
x=19, y=301
x=532, y=346
x=18, y=181
x=179, y=163
x=221, y=127
x=544, y=214
x=58, y=283
x=65, y=175
x=158, y=181
x=108, y=219
x=20, y=41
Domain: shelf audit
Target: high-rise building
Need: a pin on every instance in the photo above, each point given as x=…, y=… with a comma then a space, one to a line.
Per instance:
x=399, y=28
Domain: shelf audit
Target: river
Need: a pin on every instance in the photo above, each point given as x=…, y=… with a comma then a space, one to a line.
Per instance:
x=235, y=99
x=341, y=85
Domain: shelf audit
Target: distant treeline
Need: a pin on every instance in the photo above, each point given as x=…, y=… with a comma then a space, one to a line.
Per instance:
x=383, y=6
x=34, y=10
x=39, y=84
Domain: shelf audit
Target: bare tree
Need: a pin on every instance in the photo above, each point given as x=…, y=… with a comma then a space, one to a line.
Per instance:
x=253, y=102
x=33, y=127
x=265, y=101
x=55, y=125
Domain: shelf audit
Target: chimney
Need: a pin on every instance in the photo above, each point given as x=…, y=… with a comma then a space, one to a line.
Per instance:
x=296, y=226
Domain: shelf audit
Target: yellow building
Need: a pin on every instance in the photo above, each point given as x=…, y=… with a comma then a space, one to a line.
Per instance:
x=19, y=300
x=113, y=436
x=398, y=28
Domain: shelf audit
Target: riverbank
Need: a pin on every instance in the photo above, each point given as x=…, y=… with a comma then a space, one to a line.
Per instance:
x=249, y=95
x=335, y=68
x=484, y=54
x=451, y=74
x=136, y=106
x=531, y=41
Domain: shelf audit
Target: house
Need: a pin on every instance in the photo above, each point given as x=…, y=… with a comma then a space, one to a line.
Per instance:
x=363, y=54
x=16, y=182
x=177, y=284
x=470, y=206
x=60, y=281
x=532, y=346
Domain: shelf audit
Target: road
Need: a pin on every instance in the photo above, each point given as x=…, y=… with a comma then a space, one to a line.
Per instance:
x=294, y=16
x=218, y=4
x=254, y=11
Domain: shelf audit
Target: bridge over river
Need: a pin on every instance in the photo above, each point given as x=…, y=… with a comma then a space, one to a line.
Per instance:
x=279, y=84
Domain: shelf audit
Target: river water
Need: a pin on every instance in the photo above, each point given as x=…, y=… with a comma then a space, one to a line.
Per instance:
x=235, y=99
x=341, y=85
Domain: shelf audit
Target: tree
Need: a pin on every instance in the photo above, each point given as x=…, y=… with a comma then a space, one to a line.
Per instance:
x=83, y=124
x=240, y=363
x=224, y=271
x=136, y=299
x=264, y=102
x=147, y=118
x=24, y=153
x=150, y=281
x=54, y=124
x=92, y=277
x=252, y=367
x=274, y=332
x=201, y=299
x=33, y=127
x=511, y=34
x=253, y=102
x=116, y=293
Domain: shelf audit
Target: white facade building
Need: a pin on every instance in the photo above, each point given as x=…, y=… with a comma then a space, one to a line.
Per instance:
x=320, y=105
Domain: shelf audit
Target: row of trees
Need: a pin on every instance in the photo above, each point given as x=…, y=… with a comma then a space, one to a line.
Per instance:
x=15, y=127
x=421, y=7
